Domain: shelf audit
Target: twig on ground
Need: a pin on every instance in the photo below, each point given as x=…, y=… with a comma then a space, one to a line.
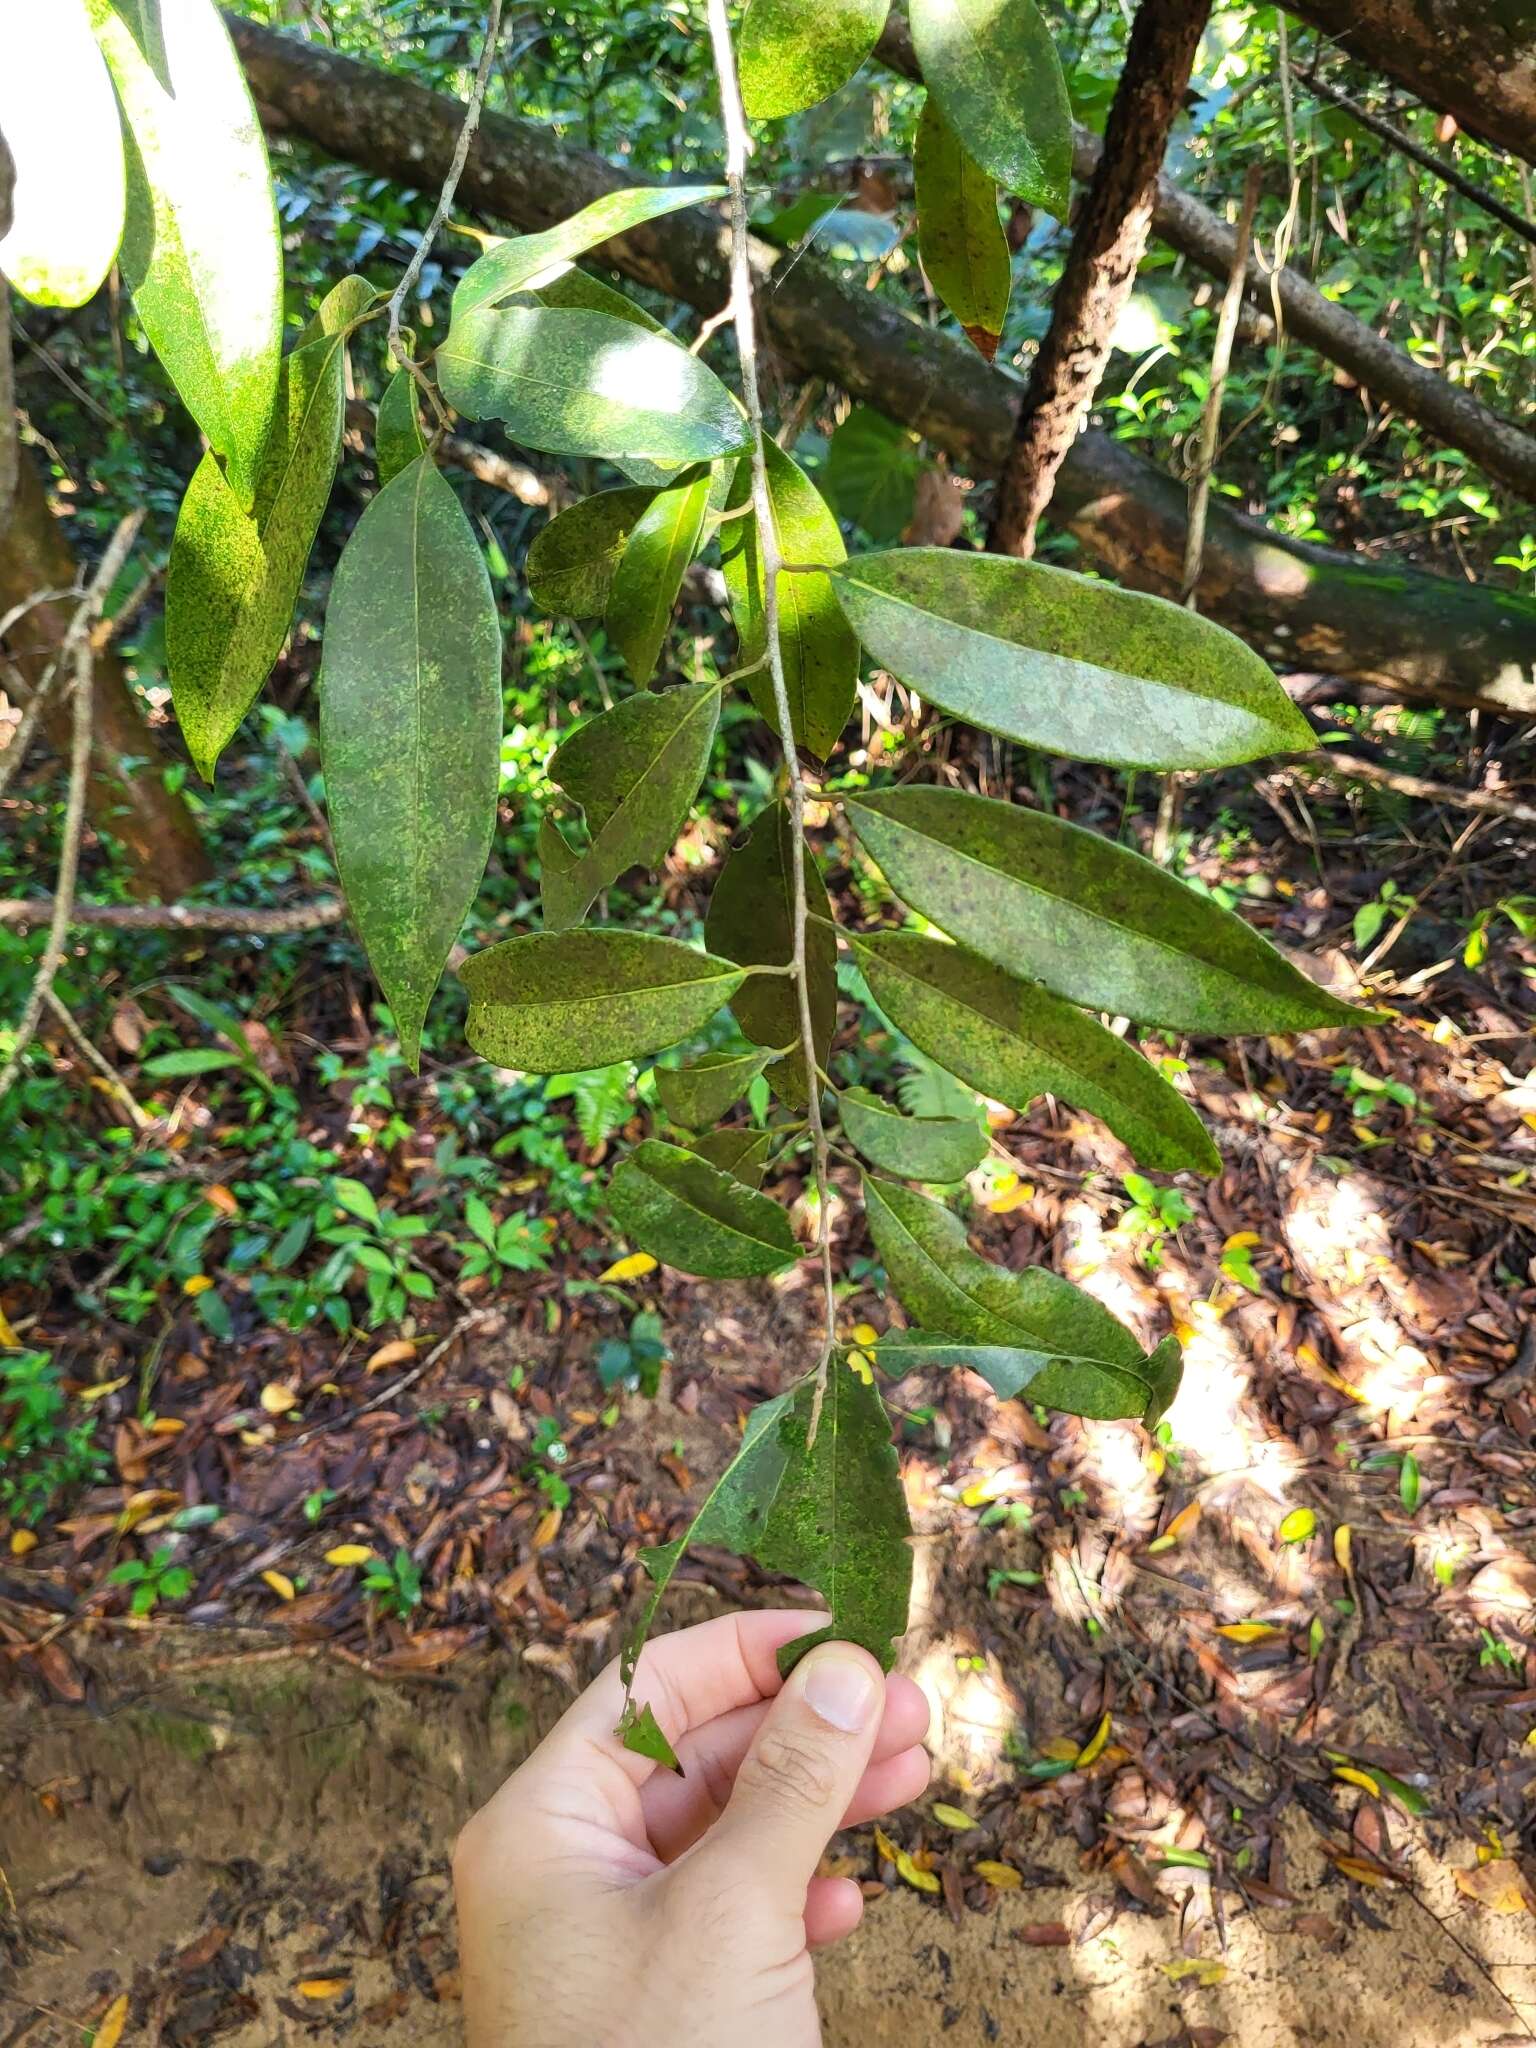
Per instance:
x=418, y=1371
x=93, y=1057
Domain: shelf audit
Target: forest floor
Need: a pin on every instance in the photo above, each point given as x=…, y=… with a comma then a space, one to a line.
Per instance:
x=1244, y=1719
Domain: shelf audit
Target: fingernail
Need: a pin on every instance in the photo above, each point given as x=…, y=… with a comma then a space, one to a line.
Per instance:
x=840, y=1687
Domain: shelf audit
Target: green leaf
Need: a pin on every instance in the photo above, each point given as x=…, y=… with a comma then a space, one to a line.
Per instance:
x=1067, y=663
x=694, y=1216
x=397, y=435
x=640, y=1731
x=964, y=249
x=1092, y=920
x=740, y=1151
x=664, y=540
x=702, y=1092
x=66, y=223
x=792, y=53
x=1016, y=1041
x=553, y=1001
x=993, y=68
x=829, y=1512
x=200, y=250
x=1056, y=1379
x=199, y=1059
x=821, y=655
x=946, y=1287
x=235, y=574
x=634, y=770
x=751, y=921
x=1408, y=1482
x=872, y=470
x=512, y=266
x=578, y=383
x=572, y=561
x=410, y=732
x=935, y=1149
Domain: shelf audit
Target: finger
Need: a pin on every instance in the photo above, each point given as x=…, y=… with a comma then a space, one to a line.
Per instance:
x=797, y=1778
x=834, y=1906
x=679, y=1810
x=897, y=1781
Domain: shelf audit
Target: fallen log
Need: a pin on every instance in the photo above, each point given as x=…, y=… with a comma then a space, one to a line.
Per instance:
x=1422, y=637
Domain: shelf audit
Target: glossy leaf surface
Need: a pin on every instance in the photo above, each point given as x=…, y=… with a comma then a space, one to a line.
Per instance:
x=527, y=260
x=964, y=249
x=703, y=1091
x=792, y=53
x=68, y=201
x=927, y=1148
x=397, y=435
x=697, y=1217
x=571, y=563
x=993, y=68
x=649, y=573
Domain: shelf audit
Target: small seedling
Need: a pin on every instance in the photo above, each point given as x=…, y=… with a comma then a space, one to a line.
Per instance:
x=634, y=1362
x=152, y=1581
x=1496, y=1652
x=395, y=1584
x=1154, y=1213
x=519, y=1245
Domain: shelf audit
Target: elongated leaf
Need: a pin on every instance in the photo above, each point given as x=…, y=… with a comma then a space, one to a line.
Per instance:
x=872, y=470
x=949, y=1289
x=1092, y=920
x=66, y=223
x=579, y=383
x=993, y=68
x=965, y=251
x=525, y=260
x=397, y=435
x=930, y=1148
x=1056, y=1379
x=821, y=655
x=571, y=563
x=696, y=1217
x=200, y=250
x=739, y=1151
x=410, y=732
x=792, y=53
x=634, y=770
x=559, y=1002
x=1066, y=663
x=751, y=921
x=702, y=1092
x=650, y=571
x=1015, y=1041
x=234, y=575
x=830, y=1513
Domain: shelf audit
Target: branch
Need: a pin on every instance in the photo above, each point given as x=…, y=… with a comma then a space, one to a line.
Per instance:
x=737, y=146
x=180, y=917
x=1210, y=417
x=1109, y=235
x=1355, y=768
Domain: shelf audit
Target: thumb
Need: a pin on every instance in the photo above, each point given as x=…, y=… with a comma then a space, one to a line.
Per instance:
x=796, y=1781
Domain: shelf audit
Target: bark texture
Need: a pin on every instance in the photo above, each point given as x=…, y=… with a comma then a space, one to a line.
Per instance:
x=127, y=795
x=1420, y=636
x=1109, y=235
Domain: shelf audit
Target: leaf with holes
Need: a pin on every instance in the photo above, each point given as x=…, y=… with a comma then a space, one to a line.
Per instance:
x=235, y=574
x=1092, y=920
x=964, y=249
x=1015, y=1041
x=200, y=248
x=579, y=383
x=528, y=260
x=1068, y=663
x=926, y=1148
x=792, y=53
x=751, y=920
x=557, y=1002
x=697, y=1217
x=821, y=655
x=410, y=732
x=992, y=67
x=634, y=770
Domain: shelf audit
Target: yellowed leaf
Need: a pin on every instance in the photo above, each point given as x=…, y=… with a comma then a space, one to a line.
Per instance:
x=1178, y=1528
x=113, y=2021
x=1206, y=1971
x=1061, y=1749
x=1242, y=1241
x=167, y=1425
x=952, y=1817
x=1249, y=1631
x=1499, y=1885
x=548, y=1529
x=1343, y=1538
x=277, y=1399
x=634, y=1266
x=885, y=1848
x=196, y=1284
x=400, y=1351
x=9, y=1341
x=280, y=1583
x=920, y=1880
x=863, y=1365
x=1003, y=1875
x=349, y=1553
x=1298, y=1525
x=323, y=1987
x=219, y=1197
x=1363, y=1779
x=1090, y=1750
x=102, y=1388
x=1360, y=1871
x=23, y=1540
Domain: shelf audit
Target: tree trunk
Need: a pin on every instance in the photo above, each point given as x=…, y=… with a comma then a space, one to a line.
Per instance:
x=128, y=797
x=1475, y=59
x=1109, y=235
x=1423, y=637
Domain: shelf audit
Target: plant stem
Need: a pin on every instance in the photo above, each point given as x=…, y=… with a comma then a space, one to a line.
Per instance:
x=737, y=146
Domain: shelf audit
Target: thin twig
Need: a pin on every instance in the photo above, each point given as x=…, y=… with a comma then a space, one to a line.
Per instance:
x=409, y=1378
x=737, y=146
x=137, y=1115
x=181, y=917
x=413, y=269
x=21, y=736
x=77, y=656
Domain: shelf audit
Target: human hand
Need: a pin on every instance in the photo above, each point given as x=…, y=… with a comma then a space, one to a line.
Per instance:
x=606, y=1903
